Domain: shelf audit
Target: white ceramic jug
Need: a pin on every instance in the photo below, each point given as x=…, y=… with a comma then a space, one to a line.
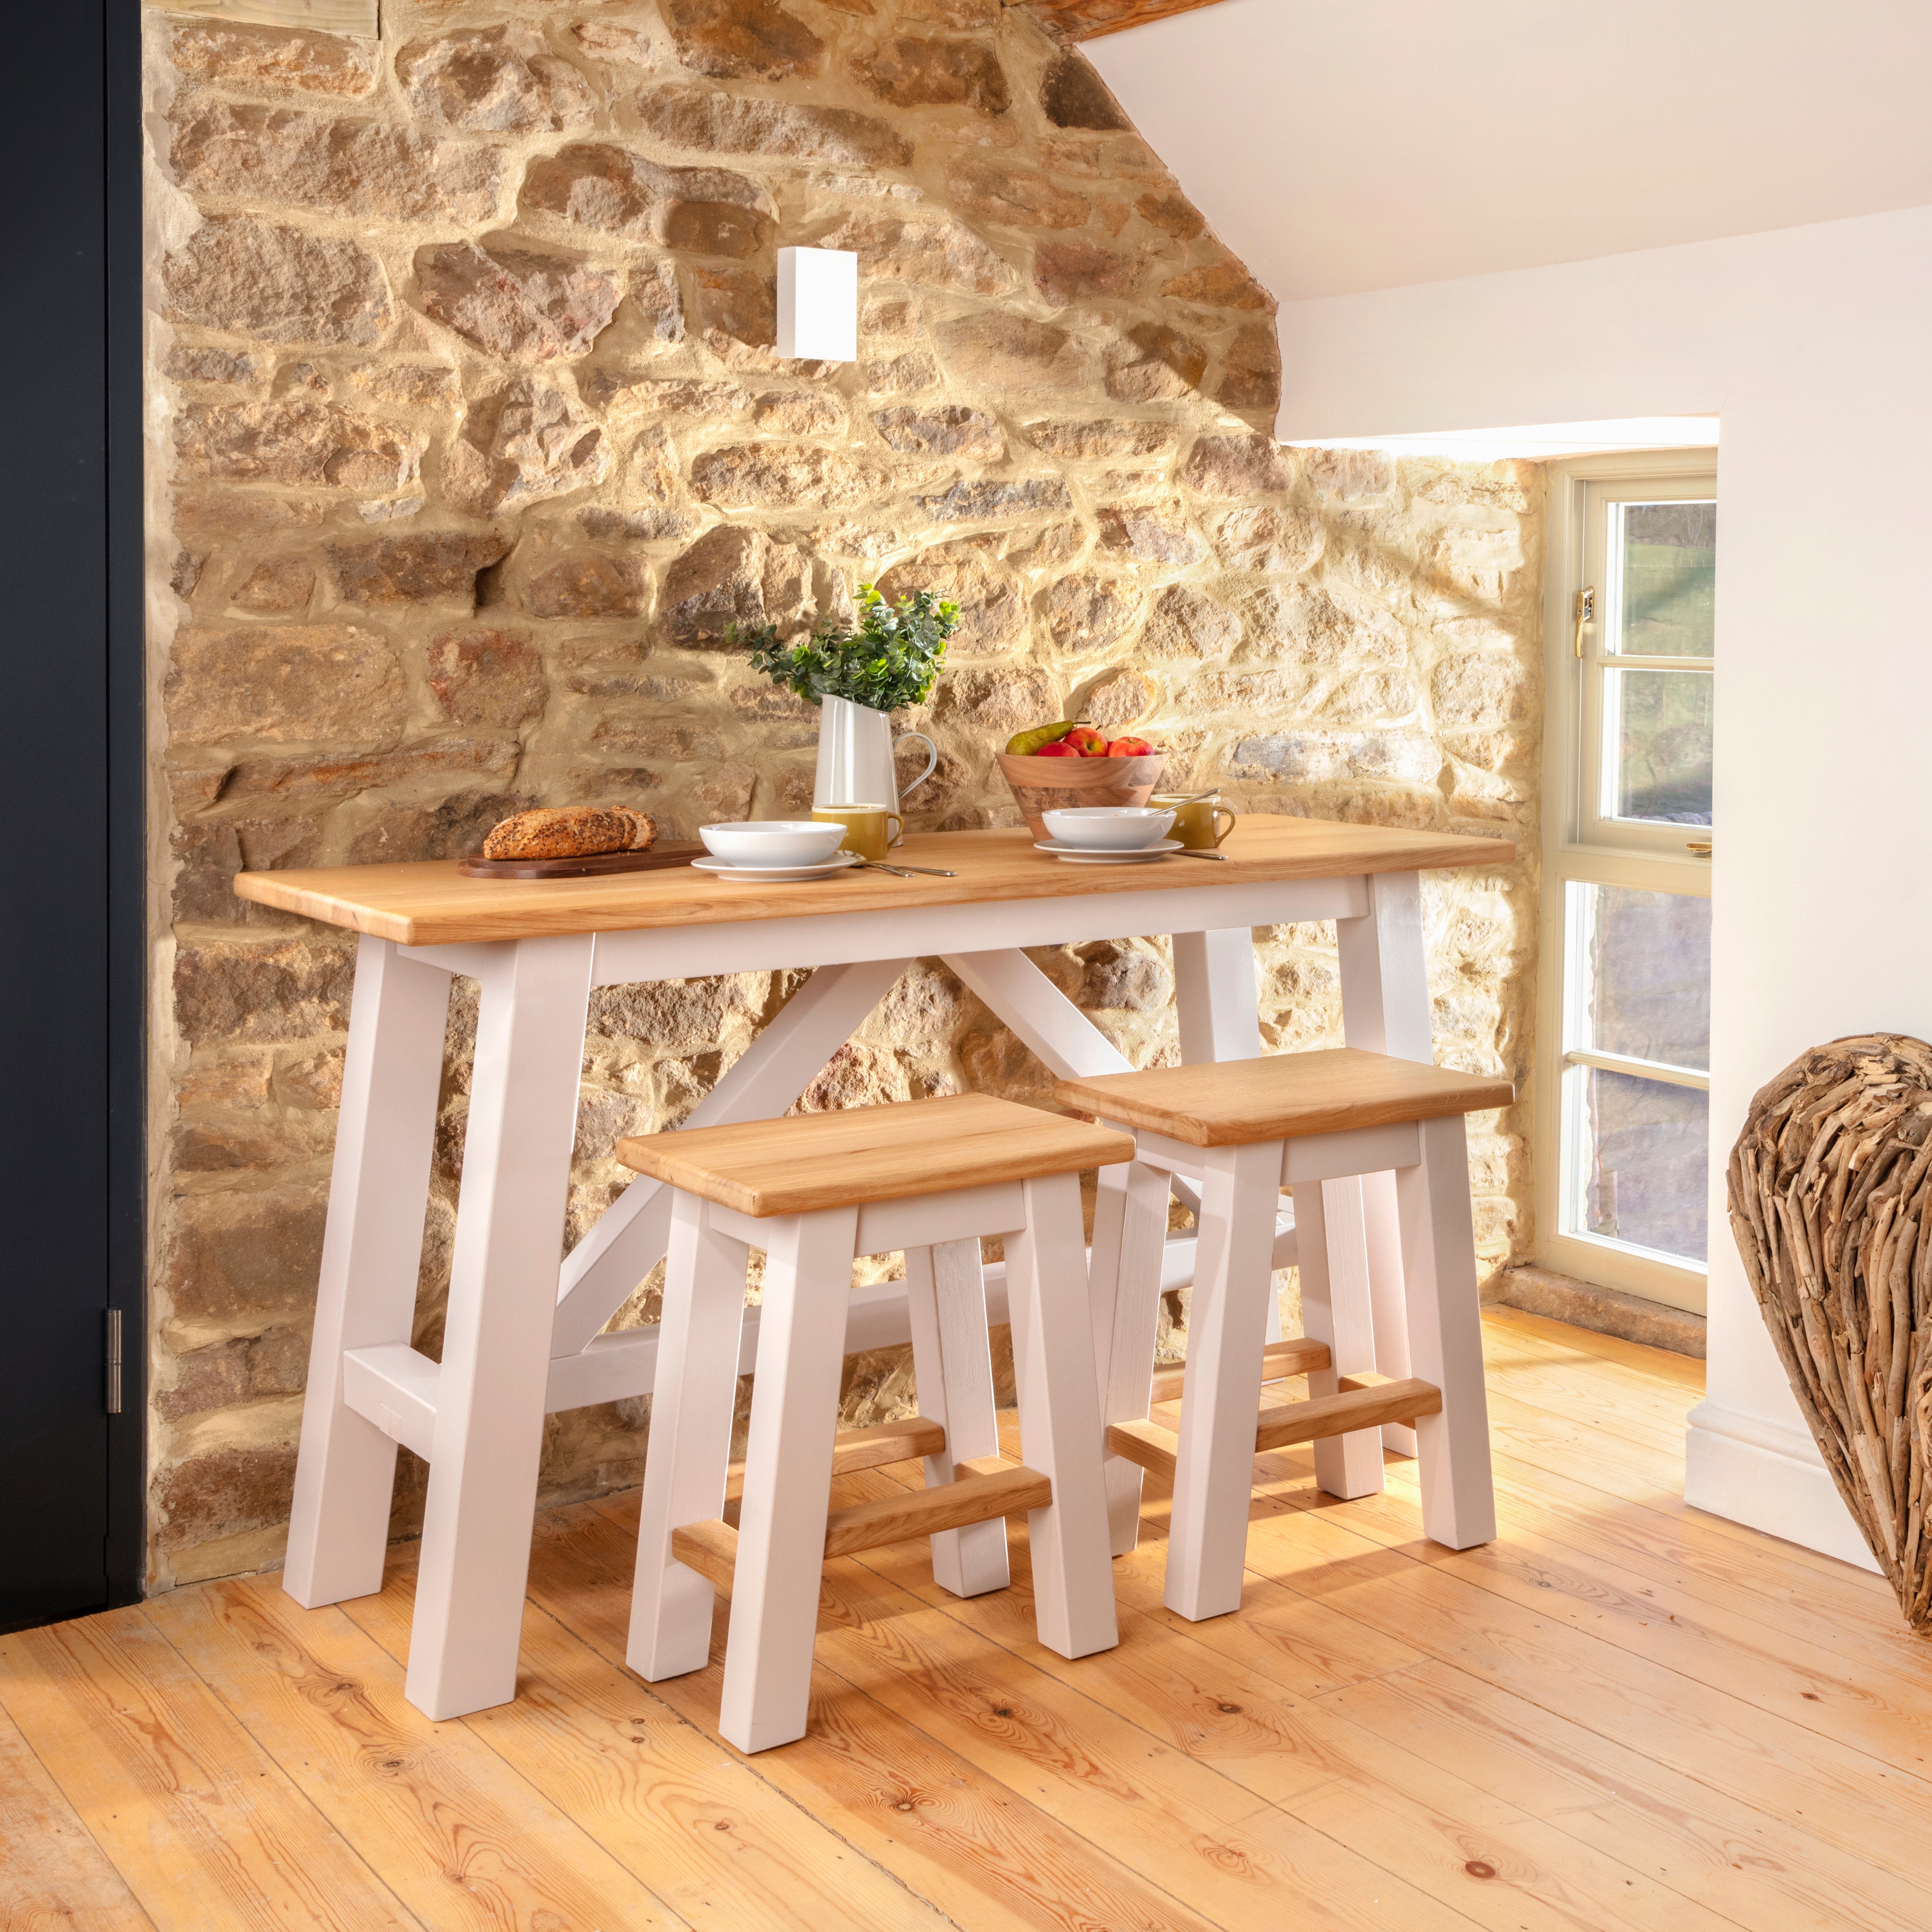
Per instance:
x=855, y=756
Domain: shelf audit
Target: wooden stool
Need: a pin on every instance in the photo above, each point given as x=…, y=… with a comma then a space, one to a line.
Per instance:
x=1244, y=1129
x=814, y=1191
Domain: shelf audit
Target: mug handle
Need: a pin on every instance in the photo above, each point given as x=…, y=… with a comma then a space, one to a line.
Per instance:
x=1221, y=811
x=899, y=832
x=932, y=759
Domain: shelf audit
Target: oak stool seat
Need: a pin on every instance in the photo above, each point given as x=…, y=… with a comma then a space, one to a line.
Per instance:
x=1242, y=1130
x=814, y=1191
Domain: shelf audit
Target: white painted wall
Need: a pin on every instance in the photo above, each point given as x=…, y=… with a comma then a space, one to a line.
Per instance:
x=1463, y=208
x=1339, y=146
x=1815, y=345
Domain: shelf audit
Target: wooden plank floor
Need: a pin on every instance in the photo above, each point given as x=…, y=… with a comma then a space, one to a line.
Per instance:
x=1622, y=1714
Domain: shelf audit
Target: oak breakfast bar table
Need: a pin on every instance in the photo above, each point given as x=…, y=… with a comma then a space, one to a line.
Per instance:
x=522, y=1336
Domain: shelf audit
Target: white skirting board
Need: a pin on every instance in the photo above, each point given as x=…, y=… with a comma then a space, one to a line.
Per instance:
x=334, y=16
x=1768, y=1476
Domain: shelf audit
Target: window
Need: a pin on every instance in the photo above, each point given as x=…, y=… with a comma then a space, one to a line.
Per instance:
x=1623, y=1132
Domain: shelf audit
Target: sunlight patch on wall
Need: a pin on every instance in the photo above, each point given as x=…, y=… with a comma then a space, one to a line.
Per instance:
x=338, y=16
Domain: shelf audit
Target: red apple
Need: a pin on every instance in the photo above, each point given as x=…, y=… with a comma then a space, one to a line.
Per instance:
x=1130, y=747
x=1059, y=749
x=1086, y=741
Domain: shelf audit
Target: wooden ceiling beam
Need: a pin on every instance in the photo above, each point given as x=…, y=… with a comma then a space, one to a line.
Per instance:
x=339, y=16
x=1088, y=19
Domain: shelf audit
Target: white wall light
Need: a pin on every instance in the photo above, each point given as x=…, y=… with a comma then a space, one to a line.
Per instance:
x=818, y=304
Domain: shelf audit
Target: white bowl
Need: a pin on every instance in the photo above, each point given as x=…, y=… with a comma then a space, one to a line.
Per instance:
x=773, y=841
x=1108, y=828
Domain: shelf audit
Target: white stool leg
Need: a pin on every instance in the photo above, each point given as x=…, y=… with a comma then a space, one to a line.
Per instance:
x=1335, y=1308
x=1103, y=1262
x=1125, y=1347
x=1445, y=1338
x=693, y=1397
x=1059, y=1421
x=787, y=1479
x=1220, y=1401
x=339, y=1530
x=952, y=1358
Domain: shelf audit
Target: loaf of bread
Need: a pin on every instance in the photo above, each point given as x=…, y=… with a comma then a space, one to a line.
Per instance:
x=570, y=831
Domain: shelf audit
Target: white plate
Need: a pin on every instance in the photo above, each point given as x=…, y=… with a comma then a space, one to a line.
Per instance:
x=776, y=875
x=1088, y=855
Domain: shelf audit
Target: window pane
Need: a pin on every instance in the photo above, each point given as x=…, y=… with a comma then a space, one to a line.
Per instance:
x=1660, y=723
x=1646, y=975
x=1669, y=573
x=1643, y=1147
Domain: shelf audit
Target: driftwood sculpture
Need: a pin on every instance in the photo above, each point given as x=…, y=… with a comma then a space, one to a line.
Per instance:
x=1830, y=1203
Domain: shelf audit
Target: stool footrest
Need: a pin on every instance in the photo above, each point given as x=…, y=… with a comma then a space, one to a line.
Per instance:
x=911, y=1437
x=982, y=1488
x=1154, y=1448
x=711, y=1549
x=1366, y=1402
x=1296, y=1357
x=986, y=1487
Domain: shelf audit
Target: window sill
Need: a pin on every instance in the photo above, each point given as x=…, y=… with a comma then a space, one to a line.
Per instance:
x=1604, y=1311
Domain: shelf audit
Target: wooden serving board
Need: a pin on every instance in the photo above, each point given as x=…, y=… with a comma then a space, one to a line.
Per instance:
x=591, y=865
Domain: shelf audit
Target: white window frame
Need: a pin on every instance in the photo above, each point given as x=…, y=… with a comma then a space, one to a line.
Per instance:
x=1581, y=846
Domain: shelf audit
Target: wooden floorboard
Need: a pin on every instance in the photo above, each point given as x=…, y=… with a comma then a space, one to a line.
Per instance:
x=1623, y=1714
x=52, y=1872
x=463, y=1840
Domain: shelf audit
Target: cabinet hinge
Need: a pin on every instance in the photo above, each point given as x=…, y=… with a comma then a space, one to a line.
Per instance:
x=114, y=1361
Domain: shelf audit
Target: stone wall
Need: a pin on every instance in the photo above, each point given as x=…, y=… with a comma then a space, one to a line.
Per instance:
x=470, y=440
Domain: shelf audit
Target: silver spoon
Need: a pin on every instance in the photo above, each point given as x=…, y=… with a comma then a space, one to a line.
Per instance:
x=904, y=872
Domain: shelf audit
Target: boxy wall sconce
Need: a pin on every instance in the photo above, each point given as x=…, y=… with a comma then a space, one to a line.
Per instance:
x=818, y=304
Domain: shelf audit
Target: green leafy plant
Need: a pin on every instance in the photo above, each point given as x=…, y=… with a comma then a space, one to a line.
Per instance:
x=888, y=662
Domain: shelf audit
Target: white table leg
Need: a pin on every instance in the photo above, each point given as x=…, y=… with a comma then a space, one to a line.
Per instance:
x=788, y=1479
x=372, y=1251
x=1060, y=1421
x=1385, y=1009
x=952, y=1360
x=1335, y=1308
x=1445, y=1332
x=1219, y=1007
x=1130, y=1239
x=1220, y=1396
x=629, y=1238
x=693, y=1400
x=496, y=1349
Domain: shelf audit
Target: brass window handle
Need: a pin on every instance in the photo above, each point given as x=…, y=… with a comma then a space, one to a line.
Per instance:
x=1586, y=613
x=1699, y=848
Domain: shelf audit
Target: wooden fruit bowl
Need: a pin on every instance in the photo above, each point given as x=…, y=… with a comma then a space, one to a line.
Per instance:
x=1054, y=784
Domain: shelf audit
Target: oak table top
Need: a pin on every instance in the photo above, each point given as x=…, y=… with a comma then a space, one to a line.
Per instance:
x=431, y=904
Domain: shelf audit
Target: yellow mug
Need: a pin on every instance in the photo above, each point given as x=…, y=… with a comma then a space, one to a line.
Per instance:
x=864, y=825
x=1197, y=820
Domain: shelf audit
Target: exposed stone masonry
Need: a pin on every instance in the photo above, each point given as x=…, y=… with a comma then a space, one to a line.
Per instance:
x=470, y=441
